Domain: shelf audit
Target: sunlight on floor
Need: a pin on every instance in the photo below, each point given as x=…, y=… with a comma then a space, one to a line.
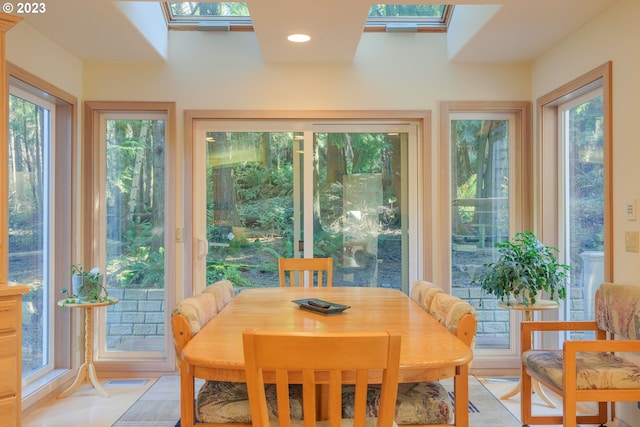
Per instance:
x=501, y=386
x=84, y=407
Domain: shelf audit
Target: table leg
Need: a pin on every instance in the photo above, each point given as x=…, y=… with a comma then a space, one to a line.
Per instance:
x=535, y=385
x=87, y=371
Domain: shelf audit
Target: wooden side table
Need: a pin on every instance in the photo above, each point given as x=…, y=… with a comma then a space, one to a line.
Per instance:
x=528, y=311
x=87, y=371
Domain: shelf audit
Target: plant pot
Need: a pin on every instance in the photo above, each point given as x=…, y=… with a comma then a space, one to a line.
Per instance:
x=519, y=298
x=86, y=288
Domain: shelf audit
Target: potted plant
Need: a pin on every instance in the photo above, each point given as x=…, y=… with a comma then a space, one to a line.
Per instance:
x=86, y=285
x=524, y=268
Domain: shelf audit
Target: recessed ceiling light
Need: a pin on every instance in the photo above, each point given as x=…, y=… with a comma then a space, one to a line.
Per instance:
x=298, y=38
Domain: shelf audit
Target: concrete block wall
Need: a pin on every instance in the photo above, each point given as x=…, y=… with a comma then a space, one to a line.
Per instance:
x=140, y=315
x=493, y=320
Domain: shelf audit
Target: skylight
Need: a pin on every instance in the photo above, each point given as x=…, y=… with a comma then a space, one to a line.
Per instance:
x=408, y=17
x=235, y=15
x=189, y=13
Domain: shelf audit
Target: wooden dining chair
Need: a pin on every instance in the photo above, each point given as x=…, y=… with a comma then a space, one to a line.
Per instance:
x=294, y=270
x=601, y=370
x=313, y=359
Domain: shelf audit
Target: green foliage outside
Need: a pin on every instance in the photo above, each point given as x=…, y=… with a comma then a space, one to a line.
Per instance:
x=192, y=8
x=477, y=176
x=250, y=197
x=135, y=192
x=399, y=10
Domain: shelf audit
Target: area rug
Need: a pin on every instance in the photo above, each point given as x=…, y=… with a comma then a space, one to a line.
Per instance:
x=159, y=406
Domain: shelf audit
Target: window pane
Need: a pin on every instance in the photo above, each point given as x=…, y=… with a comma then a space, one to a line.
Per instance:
x=358, y=218
x=259, y=200
x=407, y=10
x=135, y=204
x=249, y=206
x=29, y=213
x=584, y=205
x=208, y=9
x=479, y=216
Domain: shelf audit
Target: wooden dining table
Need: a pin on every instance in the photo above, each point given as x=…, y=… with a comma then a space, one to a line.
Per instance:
x=429, y=351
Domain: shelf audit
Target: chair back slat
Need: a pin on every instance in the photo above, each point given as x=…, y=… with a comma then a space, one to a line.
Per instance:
x=313, y=359
x=313, y=269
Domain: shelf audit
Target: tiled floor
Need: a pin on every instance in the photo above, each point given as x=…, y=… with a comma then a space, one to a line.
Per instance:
x=86, y=408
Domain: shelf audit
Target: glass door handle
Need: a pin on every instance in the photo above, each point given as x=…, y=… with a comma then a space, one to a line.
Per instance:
x=203, y=247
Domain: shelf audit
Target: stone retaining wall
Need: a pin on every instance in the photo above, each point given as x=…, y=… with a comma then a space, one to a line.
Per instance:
x=493, y=321
x=140, y=315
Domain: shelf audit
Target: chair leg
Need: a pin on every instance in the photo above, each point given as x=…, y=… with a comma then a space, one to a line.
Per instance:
x=525, y=397
x=569, y=408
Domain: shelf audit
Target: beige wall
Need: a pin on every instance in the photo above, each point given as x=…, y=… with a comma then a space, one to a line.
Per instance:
x=612, y=37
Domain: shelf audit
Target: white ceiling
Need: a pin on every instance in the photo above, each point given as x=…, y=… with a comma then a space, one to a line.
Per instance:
x=504, y=31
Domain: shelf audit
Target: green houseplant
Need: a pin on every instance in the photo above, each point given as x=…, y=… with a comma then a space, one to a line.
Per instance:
x=87, y=286
x=524, y=268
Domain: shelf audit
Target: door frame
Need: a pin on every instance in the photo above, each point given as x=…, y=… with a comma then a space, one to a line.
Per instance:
x=195, y=248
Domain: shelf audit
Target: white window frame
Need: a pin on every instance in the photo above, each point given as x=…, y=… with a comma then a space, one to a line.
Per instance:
x=519, y=154
x=95, y=243
x=49, y=234
x=208, y=120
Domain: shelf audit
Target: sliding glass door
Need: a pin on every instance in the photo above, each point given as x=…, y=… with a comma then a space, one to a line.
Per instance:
x=300, y=189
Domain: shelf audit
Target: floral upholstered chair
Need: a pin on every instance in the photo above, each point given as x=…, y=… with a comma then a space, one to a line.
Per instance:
x=428, y=403
x=217, y=402
x=457, y=315
x=589, y=370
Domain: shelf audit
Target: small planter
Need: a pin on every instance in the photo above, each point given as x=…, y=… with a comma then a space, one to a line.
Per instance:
x=87, y=288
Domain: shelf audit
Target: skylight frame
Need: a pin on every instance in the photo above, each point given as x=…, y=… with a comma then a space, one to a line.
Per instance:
x=235, y=23
x=421, y=24
x=373, y=24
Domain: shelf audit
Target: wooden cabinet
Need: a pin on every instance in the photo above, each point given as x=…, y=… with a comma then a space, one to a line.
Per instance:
x=11, y=355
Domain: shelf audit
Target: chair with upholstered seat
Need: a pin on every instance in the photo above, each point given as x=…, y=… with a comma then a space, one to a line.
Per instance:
x=217, y=402
x=293, y=271
x=587, y=370
x=317, y=360
x=428, y=403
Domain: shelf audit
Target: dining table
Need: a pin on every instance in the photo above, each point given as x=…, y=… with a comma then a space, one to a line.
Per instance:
x=429, y=352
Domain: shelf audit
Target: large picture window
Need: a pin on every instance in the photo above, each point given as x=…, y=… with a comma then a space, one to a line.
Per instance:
x=484, y=201
x=39, y=145
x=132, y=230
